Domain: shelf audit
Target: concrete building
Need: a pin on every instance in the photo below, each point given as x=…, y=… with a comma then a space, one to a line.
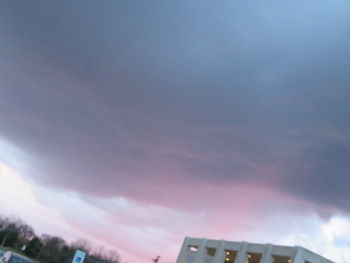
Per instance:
x=200, y=250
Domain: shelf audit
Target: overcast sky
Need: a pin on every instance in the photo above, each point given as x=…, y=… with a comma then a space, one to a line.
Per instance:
x=136, y=123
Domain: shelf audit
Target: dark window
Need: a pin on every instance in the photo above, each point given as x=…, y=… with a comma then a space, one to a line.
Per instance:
x=282, y=259
x=253, y=258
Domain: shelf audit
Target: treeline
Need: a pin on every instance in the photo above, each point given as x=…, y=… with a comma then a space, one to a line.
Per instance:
x=17, y=235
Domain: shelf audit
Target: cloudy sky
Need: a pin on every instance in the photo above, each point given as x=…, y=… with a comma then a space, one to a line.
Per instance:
x=136, y=123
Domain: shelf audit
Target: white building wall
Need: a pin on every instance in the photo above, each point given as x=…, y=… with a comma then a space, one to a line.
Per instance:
x=269, y=253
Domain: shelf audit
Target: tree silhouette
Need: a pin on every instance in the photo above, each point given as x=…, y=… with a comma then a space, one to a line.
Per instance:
x=156, y=260
x=14, y=233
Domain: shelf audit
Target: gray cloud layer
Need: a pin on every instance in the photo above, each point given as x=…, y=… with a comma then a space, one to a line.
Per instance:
x=141, y=99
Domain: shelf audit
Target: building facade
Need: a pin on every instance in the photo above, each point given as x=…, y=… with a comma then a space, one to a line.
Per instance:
x=201, y=250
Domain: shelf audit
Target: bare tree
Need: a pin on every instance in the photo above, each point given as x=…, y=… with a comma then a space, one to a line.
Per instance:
x=99, y=252
x=52, y=247
x=14, y=232
x=112, y=257
x=156, y=260
x=83, y=245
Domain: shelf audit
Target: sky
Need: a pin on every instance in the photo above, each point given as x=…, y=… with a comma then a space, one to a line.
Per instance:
x=136, y=123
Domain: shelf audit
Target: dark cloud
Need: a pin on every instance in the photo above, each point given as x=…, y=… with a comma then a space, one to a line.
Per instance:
x=140, y=99
x=323, y=174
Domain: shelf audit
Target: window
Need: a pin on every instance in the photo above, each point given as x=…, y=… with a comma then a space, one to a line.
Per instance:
x=282, y=259
x=210, y=255
x=193, y=248
x=253, y=258
x=230, y=256
x=211, y=251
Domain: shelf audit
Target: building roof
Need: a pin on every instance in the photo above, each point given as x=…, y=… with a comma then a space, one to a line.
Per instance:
x=202, y=250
